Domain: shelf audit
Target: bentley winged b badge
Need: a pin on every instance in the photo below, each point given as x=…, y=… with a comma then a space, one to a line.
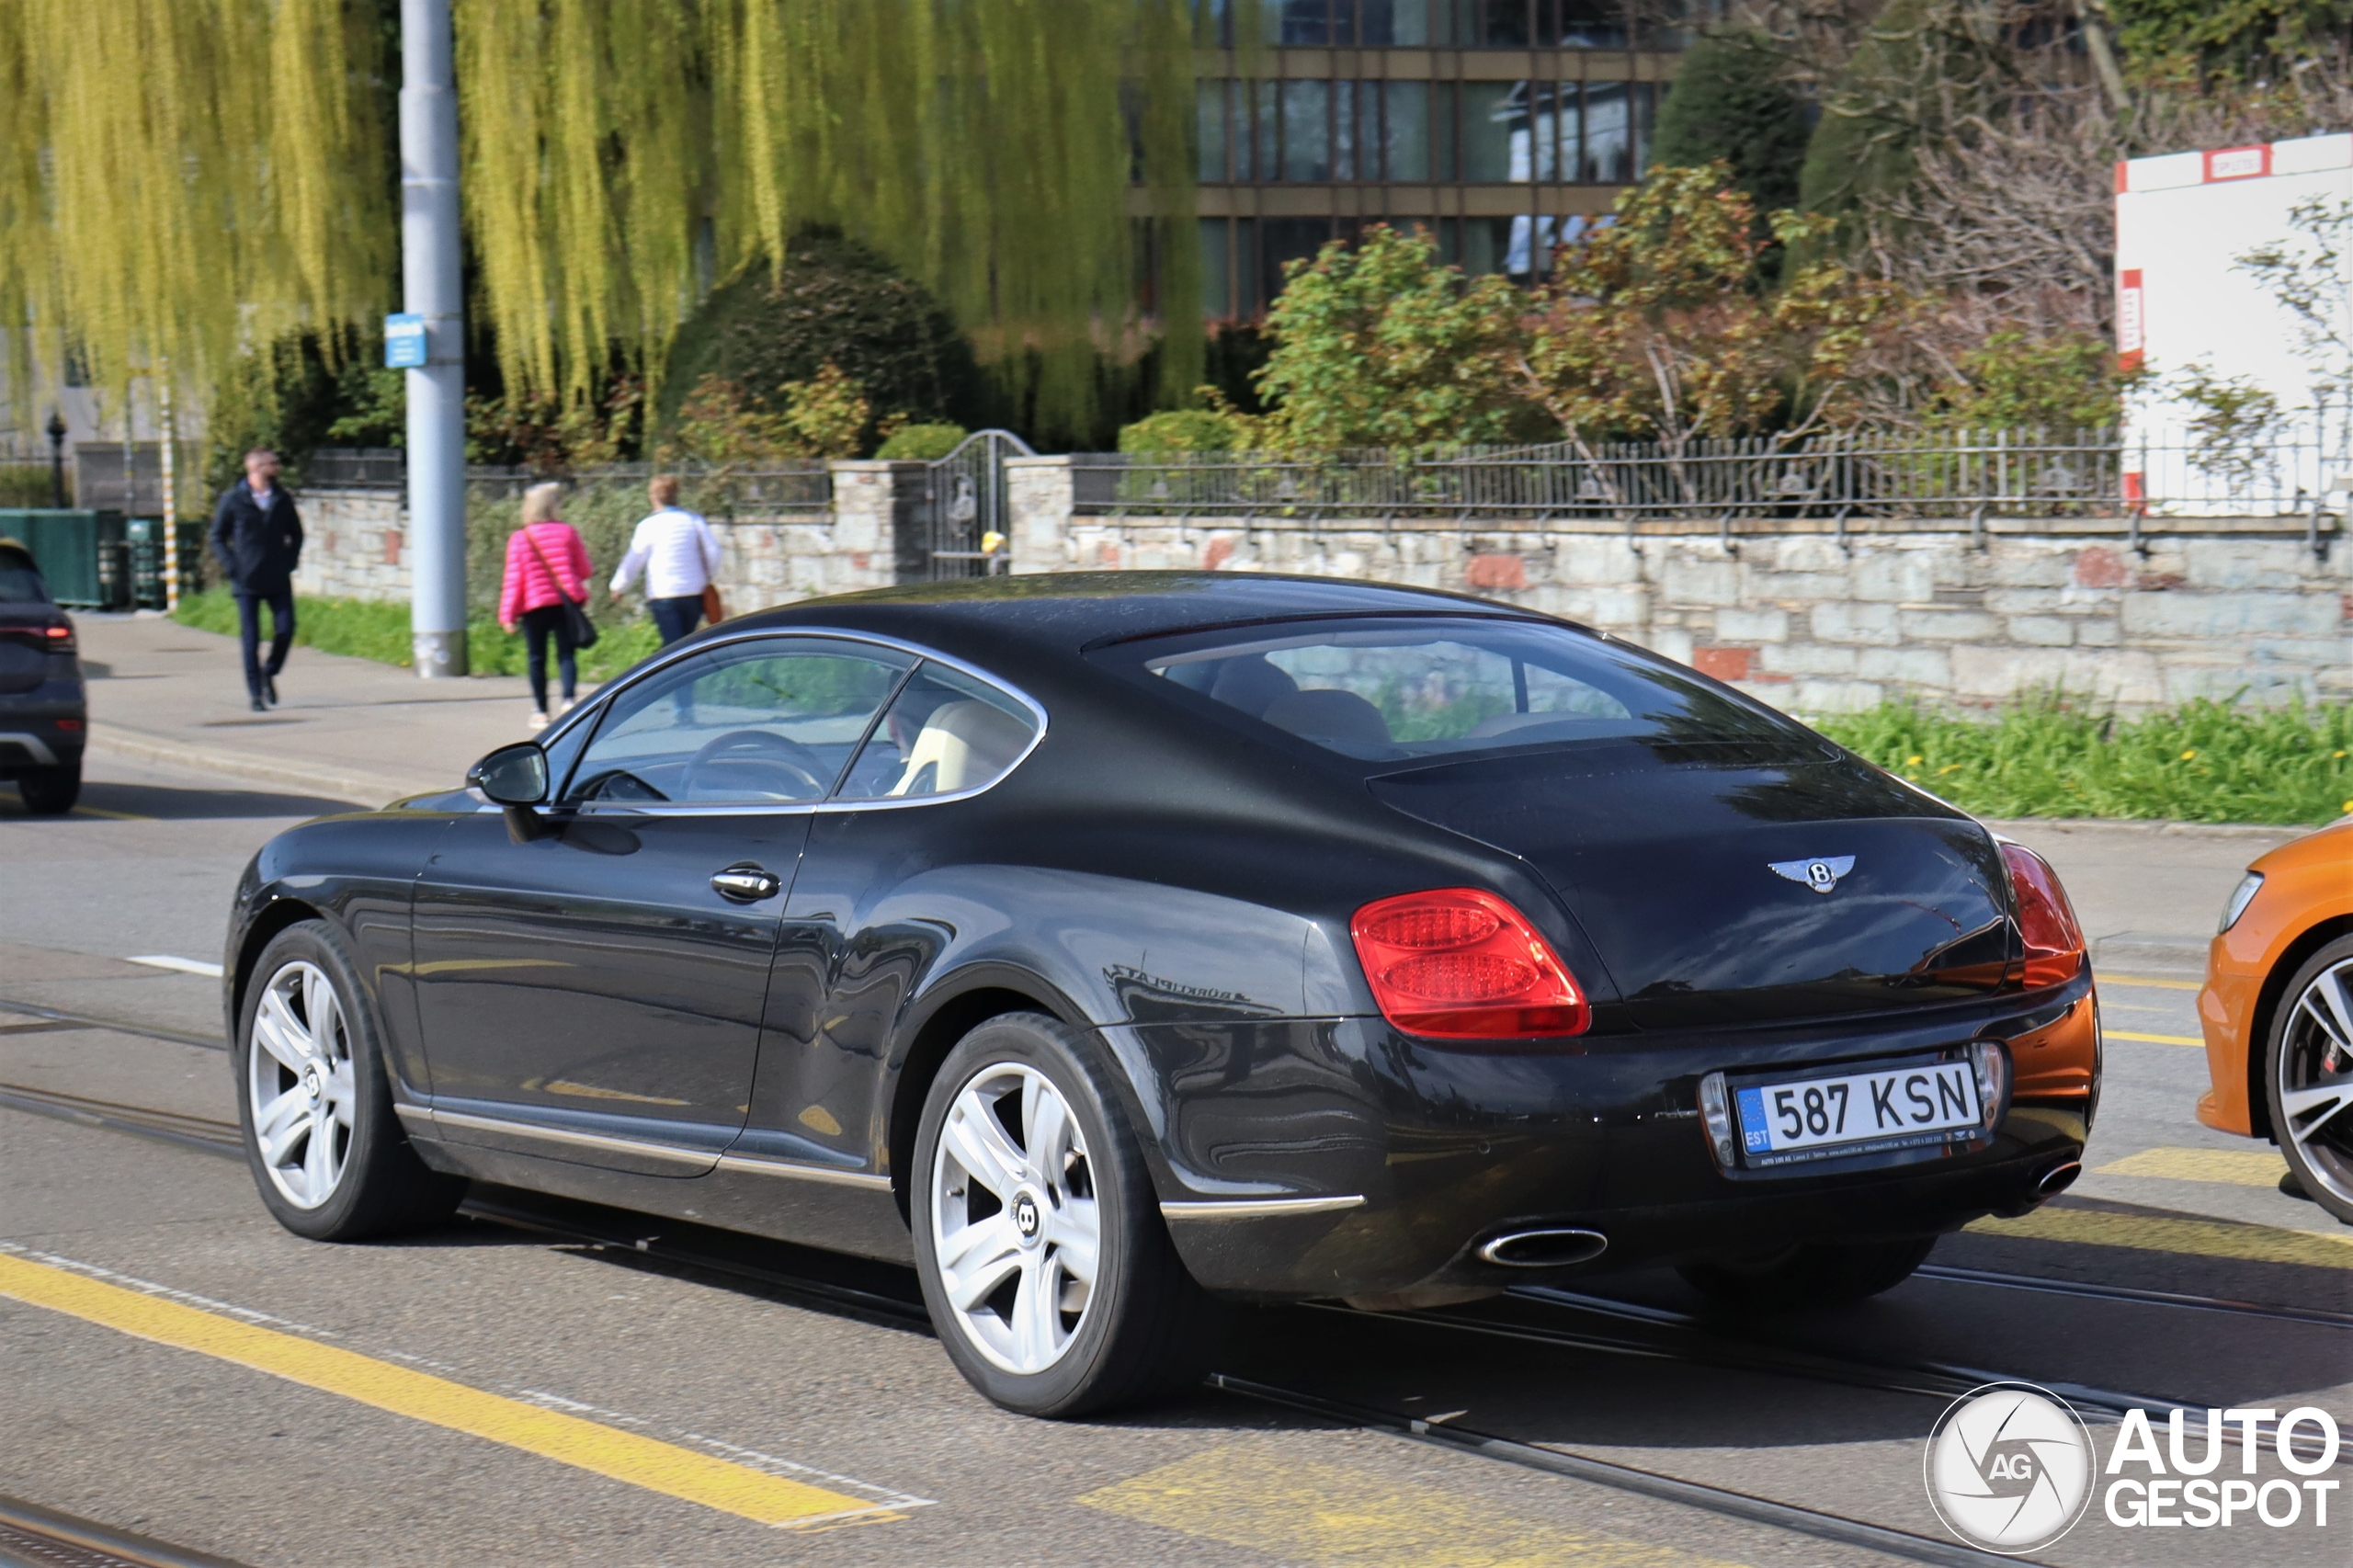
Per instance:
x=1821, y=875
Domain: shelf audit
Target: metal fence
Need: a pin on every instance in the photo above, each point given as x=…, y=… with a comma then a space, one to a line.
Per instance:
x=1944, y=475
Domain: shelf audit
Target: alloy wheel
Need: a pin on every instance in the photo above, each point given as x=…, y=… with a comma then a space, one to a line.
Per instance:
x=2315, y=1069
x=300, y=1085
x=1015, y=1227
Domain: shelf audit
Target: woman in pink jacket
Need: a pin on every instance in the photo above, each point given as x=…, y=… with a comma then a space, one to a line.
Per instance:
x=546, y=564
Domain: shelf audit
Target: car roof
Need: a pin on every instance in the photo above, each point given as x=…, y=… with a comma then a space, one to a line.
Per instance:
x=1066, y=611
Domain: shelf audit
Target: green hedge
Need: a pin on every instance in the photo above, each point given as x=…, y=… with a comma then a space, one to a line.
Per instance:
x=2046, y=756
x=367, y=629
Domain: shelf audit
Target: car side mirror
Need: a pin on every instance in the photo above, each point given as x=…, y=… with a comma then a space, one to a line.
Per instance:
x=515, y=776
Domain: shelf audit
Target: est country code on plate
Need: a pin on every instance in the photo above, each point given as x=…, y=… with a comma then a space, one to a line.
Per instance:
x=1898, y=1107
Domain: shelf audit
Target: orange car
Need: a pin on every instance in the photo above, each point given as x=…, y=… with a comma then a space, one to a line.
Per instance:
x=2277, y=1012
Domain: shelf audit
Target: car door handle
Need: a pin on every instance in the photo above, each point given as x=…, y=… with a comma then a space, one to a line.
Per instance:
x=745, y=882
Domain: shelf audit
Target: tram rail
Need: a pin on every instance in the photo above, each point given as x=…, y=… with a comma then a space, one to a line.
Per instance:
x=879, y=1293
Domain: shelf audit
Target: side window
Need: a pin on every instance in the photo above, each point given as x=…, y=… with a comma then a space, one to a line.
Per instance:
x=945, y=732
x=751, y=723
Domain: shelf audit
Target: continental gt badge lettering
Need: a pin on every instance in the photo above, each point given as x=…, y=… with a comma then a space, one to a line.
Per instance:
x=1821, y=875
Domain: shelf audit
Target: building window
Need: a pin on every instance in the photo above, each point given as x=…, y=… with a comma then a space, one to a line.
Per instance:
x=1406, y=111
x=1212, y=121
x=1609, y=133
x=1307, y=140
x=1467, y=24
x=1348, y=131
x=1494, y=131
x=1584, y=24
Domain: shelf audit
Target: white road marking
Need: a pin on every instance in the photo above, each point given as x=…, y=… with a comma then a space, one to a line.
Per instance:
x=186, y=966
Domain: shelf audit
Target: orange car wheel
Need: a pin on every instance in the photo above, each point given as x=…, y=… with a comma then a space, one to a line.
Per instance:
x=2308, y=1076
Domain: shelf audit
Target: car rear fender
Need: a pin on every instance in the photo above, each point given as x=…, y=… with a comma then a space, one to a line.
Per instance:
x=959, y=1002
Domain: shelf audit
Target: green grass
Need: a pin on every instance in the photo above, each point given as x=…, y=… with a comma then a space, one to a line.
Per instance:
x=366, y=630
x=2046, y=756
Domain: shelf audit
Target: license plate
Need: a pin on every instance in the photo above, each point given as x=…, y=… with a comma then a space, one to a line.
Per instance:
x=1902, y=1107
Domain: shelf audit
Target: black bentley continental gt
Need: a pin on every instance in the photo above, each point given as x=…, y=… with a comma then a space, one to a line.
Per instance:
x=1112, y=945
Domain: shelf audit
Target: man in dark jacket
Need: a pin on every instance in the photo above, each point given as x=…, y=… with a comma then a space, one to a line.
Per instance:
x=257, y=539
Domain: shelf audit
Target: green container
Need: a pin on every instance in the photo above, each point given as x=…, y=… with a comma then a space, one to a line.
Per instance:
x=147, y=561
x=83, y=555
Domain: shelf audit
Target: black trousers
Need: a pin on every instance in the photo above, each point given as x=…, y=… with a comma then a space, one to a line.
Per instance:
x=538, y=625
x=280, y=601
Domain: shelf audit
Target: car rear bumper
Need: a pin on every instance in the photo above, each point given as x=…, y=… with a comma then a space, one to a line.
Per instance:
x=36, y=737
x=1449, y=1150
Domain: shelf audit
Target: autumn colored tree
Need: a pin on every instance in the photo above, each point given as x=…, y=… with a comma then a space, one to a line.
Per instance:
x=1659, y=325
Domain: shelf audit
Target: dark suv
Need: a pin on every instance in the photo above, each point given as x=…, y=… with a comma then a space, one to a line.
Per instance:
x=44, y=712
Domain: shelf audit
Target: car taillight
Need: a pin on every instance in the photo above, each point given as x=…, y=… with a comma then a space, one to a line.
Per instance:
x=2054, y=942
x=1458, y=963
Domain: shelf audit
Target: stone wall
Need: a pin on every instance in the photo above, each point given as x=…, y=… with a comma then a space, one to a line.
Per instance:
x=1787, y=610
x=1814, y=623
x=355, y=543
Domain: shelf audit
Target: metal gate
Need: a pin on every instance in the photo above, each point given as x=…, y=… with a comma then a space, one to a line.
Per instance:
x=965, y=533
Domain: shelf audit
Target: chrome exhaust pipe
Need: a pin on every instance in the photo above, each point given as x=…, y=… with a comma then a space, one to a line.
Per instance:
x=1555, y=1248
x=2059, y=1178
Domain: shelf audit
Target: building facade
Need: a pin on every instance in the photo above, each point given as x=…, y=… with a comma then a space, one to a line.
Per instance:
x=1506, y=126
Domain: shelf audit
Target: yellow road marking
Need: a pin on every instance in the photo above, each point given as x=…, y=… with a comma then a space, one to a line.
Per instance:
x=2240, y=1167
x=2151, y=1038
x=2197, y=1238
x=1246, y=1495
x=111, y=816
x=2160, y=984
x=586, y=1445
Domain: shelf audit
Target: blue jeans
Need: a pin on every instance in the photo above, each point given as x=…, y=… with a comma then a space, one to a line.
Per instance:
x=280, y=601
x=676, y=617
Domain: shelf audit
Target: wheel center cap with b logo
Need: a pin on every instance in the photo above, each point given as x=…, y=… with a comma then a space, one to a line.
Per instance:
x=1027, y=1221
x=311, y=1084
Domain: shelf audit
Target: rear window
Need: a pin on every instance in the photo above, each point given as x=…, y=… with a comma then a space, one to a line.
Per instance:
x=19, y=583
x=1396, y=690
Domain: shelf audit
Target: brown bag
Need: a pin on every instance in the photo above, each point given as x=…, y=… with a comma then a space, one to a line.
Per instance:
x=713, y=612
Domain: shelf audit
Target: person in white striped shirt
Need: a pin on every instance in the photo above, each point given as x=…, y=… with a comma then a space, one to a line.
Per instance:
x=679, y=555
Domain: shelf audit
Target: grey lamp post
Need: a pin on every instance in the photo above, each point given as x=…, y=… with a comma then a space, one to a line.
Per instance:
x=57, y=459
x=431, y=287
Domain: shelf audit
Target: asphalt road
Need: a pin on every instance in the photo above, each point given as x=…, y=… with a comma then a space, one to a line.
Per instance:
x=174, y=1364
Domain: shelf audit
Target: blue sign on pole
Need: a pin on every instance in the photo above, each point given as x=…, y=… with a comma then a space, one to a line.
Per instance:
x=403, y=342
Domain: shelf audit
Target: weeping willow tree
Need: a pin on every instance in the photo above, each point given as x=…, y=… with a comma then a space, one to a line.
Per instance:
x=633, y=151
x=181, y=179
x=193, y=178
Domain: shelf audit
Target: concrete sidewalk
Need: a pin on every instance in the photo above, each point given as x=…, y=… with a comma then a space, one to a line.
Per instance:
x=348, y=728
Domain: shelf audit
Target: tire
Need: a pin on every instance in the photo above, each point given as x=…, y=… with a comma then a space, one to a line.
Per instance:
x=52, y=791
x=2308, y=1063
x=1143, y=1328
x=337, y=1167
x=1814, y=1274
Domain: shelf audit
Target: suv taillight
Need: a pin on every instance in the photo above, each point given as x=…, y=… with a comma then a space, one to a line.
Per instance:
x=59, y=639
x=2054, y=942
x=1458, y=963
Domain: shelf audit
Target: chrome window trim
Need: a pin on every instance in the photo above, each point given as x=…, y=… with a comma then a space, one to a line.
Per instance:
x=1259, y=1207
x=743, y=1163
x=831, y=803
